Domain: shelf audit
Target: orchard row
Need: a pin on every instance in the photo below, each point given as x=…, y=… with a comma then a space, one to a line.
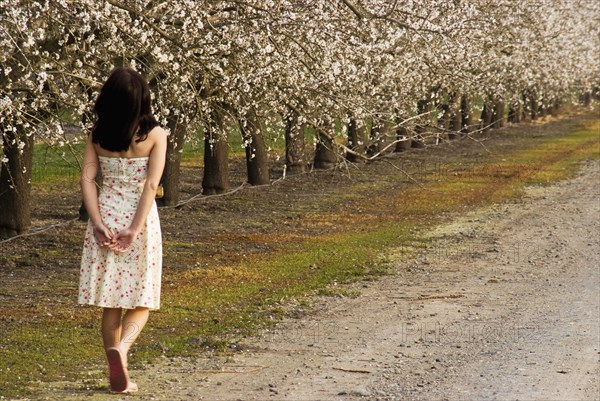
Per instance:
x=367, y=75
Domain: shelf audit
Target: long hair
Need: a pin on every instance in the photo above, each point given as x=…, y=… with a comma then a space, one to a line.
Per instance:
x=123, y=111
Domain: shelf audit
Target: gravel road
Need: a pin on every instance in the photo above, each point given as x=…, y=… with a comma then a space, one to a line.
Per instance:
x=503, y=305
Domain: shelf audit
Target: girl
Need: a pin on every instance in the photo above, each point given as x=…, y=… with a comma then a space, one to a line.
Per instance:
x=122, y=250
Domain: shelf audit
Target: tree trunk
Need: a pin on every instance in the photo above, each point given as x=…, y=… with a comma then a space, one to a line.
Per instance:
x=256, y=150
x=15, y=183
x=422, y=107
x=444, y=121
x=486, y=115
x=404, y=142
x=294, y=144
x=466, y=112
x=534, y=105
x=542, y=108
x=83, y=214
x=526, y=109
x=356, y=141
x=401, y=136
x=376, y=136
x=514, y=114
x=216, y=167
x=325, y=155
x=498, y=114
x=455, y=116
x=171, y=173
x=556, y=107
x=456, y=124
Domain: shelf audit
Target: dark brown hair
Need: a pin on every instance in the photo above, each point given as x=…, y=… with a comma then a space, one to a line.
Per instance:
x=123, y=111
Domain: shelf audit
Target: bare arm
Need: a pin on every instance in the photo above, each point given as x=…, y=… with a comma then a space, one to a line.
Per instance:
x=90, y=193
x=156, y=164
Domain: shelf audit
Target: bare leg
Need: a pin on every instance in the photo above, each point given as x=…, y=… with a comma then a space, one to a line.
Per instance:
x=111, y=327
x=132, y=325
x=121, y=332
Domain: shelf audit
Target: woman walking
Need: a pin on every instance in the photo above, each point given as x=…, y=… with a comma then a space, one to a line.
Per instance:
x=122, y=250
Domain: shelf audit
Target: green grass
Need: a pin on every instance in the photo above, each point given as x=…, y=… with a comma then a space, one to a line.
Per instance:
x=55, y=165
x=558, y=156
x=208, y=308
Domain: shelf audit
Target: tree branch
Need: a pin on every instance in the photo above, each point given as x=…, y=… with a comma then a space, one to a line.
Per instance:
x=358, y=14
x=147, y=20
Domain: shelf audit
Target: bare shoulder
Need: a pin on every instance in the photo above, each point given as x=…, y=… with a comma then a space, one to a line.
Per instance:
x=157, y=133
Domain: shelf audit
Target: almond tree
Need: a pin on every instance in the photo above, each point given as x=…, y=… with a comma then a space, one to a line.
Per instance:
x=265, y=68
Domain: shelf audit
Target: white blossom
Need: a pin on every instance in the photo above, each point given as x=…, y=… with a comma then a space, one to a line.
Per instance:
x=318, y=57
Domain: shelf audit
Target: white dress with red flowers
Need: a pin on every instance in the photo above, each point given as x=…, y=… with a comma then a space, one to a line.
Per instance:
x=122, y=279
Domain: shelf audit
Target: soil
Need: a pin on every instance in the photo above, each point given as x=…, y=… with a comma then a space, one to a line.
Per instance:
x=504, y=305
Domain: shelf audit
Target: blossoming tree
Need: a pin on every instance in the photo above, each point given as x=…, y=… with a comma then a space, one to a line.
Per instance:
x=359, y=72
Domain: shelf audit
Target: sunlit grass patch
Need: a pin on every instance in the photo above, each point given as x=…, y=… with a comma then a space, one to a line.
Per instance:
x=556, y=159
x=451, y=186
x=56, y=166
x=38, y=352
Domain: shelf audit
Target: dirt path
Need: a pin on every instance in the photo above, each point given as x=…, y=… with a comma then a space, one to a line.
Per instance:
x=504, y=306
